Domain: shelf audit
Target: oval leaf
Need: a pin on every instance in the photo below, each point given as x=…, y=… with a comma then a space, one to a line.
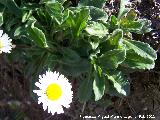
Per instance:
x=112, y=58
x=85, y=90
x=116, y=38
x=12, y=7
x=98, y=84
x=123, y=9
x=37, y=36
x=97, y=14
x=135, y=61
x=95, y=3
x=141, y=48
x=1, y=19
x=120, y=83
x=97, y=29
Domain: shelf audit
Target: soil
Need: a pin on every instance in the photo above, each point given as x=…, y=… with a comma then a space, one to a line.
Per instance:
x=16, y=102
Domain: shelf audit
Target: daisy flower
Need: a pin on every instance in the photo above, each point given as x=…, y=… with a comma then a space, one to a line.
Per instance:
x=54, y=92
x=5, y=43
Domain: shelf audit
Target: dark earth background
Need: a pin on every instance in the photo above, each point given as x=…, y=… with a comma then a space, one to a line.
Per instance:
x=16, y=102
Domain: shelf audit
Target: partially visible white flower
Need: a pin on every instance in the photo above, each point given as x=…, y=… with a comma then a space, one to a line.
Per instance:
x=5, y=43
x=54, y=92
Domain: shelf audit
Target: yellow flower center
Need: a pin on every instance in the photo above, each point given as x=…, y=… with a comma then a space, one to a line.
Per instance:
x=54, y=91
x=1, y=44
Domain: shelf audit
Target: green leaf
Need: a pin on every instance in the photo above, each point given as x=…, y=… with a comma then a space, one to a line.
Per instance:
x=123, y=10
x=95, y=3
x=113, y=21
x=111, y=90
x=21, y=30
x=12, y=7
x=97, y=14
x=9, y=22
x=44, y=18
x=129, y=25
x=142, y=49
x=60, y=1
x=55, y=10
x=111, y=59
x=51, y=61
x=1, y=14
x=1, y=19
x=98, y=83
x=116, y=38
x=76, y=68
x=114, y=41
x=97, y=29
x=129, y=22
x=131, y=15
x=94, y=46
x=72, y=64
x=37, y=36
x=26, y=15
x=146, y=26
x=77, y=20
x=135, y=61
x=2, y=7
x=120, y=83
x=70, y=56
x=85, y=89
x=83, y=48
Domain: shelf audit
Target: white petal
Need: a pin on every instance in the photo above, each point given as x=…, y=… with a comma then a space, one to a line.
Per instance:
x=6, y=49
x=60, y=110
x=51, y=109
x=61, y=78
x=6, y=43
x=45, y=106
x=5, y=37
x=38, y=85
x=41, y=100
x=1, y=32
x=38, y=92
x=55, y=75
